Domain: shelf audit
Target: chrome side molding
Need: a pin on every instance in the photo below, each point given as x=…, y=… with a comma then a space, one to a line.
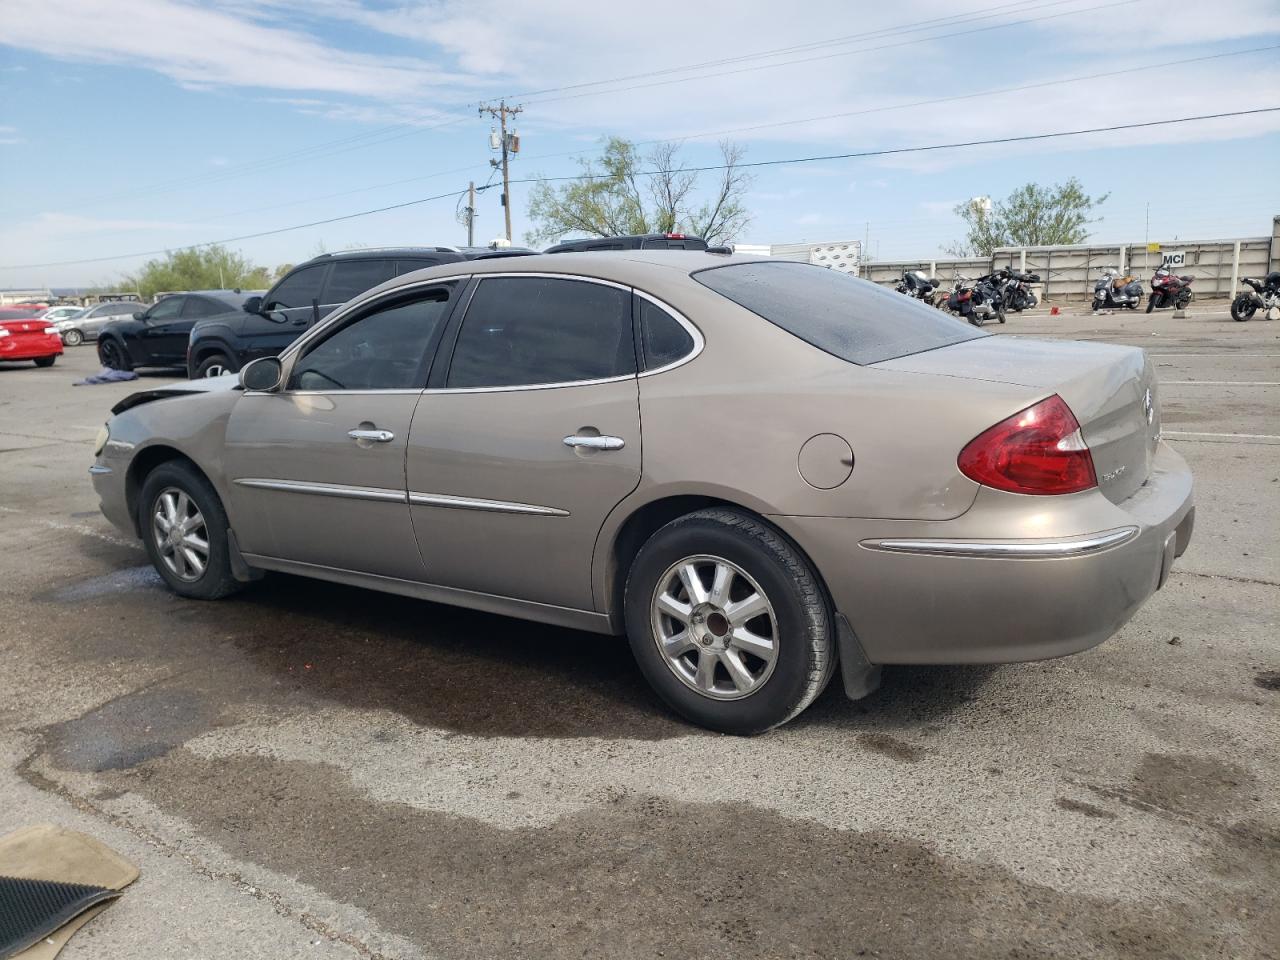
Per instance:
x=488, y=506
x=1009, y=549
x=385, y=495
x=324, y=489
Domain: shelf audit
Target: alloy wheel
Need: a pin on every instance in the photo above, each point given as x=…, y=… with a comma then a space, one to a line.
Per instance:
x=73, y=338
x=181, y=537
x=215, y=370
x=715, y=628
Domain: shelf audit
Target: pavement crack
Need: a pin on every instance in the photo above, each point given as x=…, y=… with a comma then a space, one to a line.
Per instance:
x=1224, y=576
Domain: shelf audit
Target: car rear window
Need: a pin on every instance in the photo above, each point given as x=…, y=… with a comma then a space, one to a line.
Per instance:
x=855, y=320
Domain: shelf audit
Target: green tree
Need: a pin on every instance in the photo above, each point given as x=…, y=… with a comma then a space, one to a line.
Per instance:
x=1031, y=216
x=626, y=192
x=201, y=268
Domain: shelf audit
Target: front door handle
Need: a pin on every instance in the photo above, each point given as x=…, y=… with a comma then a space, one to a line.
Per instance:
x=595, y=443
x=377, y=436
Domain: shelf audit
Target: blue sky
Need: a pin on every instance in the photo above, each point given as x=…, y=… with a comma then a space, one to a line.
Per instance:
x=140, y=125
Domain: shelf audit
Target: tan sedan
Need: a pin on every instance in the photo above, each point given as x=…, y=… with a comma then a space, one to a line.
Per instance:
x=755, y=469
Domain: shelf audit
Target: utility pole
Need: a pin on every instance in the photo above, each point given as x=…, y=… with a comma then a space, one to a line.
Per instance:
x=471, y=214
x=510, y=144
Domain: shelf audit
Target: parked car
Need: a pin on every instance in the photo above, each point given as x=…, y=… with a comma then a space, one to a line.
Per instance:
x=88, y=324
x=472, y=434
x=156, y=336
x=60, y=313
x=306, y=294
x=638, y=241
x=25, y=335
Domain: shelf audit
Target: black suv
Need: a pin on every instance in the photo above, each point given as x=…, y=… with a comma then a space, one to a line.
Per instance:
x=639, y=241
x=304, y=295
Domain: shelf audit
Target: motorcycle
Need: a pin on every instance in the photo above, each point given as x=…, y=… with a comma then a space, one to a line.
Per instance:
x=1017, y=292
x=1169, y=290
x=976, y=301
x=1265, y=297
x=916, y=285
x=1113, y=291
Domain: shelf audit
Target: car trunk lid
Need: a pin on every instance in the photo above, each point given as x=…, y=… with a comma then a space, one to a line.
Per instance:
x=1111, y=389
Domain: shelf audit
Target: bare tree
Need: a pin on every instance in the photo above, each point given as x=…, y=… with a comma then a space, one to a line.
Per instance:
x=609, y=199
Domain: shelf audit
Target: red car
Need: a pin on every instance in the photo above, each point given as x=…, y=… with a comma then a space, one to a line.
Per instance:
x=25, y=336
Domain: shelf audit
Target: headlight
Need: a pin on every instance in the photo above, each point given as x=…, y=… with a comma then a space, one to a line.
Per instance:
x=100, y=441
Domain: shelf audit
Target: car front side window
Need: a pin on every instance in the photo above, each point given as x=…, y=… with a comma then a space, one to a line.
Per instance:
x=167, y=309
x=298, y=289
x=528, y=331
x=385, y=349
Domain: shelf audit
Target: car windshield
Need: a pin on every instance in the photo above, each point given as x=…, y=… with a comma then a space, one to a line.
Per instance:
x=852, y=319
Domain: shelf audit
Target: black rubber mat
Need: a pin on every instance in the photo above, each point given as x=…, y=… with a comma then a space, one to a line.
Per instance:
x=32, y=909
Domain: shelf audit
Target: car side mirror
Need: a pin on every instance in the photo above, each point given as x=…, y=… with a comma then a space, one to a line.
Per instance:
x=263, y=375
x=253, y=305
x=139, y=315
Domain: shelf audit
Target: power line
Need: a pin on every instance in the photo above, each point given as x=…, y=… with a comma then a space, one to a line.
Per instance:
x=979, y=14
x=891, y=151
x=763, y=126
x=831, y=56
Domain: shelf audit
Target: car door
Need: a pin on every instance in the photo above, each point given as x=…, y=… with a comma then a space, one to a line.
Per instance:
x=158, y=328
x=521, y=448
x=287, y=311
x=98, y=317
x=316, y=470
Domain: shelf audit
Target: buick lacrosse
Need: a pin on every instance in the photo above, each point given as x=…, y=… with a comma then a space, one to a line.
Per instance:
x=756, y=470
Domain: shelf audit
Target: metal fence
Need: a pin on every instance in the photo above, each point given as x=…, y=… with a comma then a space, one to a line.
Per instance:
x=1069, y=272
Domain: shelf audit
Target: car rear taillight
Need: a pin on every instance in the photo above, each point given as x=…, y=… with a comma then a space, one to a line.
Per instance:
x=675, y=236
x=1039, y=451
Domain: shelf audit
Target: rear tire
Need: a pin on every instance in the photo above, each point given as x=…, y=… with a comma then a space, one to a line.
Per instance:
x=720, y=680
x=215, y=365
x=195, y=561
x=72, y=338
x=112, y=355
x=46, y=361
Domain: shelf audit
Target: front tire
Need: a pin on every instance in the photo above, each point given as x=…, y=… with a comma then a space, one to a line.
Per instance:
x=1243, y=308
x=184, y=528
x=112, y=355
x=72, y=338
x=728, y=622
x=215, y=365
x=1151, y=303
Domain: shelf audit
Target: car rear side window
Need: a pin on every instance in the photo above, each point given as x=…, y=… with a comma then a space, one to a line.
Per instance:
x=202, y=307
x=525, y=331
x=298, y=289
x=350, y=278
x=852, y=319
x=662, y=339
x=385, y=349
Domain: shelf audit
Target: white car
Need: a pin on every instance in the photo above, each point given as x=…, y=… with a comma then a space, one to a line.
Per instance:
x=54, y=314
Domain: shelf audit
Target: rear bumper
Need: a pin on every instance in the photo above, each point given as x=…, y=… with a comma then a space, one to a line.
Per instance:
x=979, y=589
x=29, y=346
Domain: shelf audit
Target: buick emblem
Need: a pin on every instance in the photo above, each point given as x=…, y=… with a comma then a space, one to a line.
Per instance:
x=1148, y=407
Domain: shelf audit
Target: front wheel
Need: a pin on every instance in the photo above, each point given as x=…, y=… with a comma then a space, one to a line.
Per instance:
x=112, y=355
x=72, y=338
x=215, y=366
x=1151, y=303
x=1242, y=308
x=728, y=622
x=185, y=531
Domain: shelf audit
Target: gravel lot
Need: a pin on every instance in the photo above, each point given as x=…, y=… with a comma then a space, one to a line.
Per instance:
x=308, y=770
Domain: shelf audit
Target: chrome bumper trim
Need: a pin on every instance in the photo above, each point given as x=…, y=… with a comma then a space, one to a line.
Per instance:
x=325, y=489
x=98, y=470
x=1009, y=549
x=488, y=506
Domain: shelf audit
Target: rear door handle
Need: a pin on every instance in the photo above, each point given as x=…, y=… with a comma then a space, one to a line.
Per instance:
x=595, y=443
x=377, y=436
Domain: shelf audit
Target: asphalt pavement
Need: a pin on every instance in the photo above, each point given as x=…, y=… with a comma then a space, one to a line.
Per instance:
x=308, y=770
